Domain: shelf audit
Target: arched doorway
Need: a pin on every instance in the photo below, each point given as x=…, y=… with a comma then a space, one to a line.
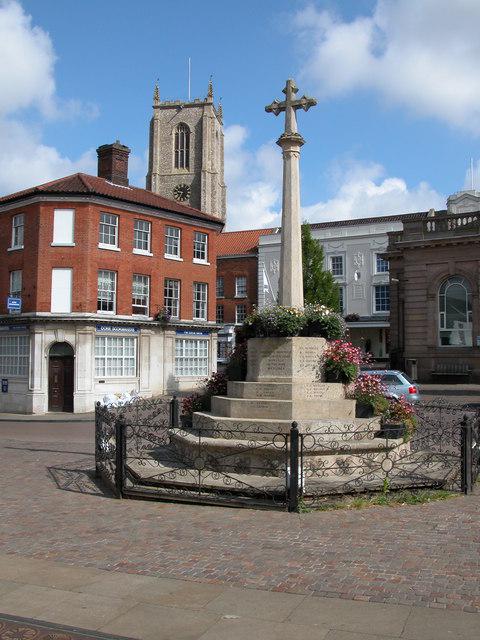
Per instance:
x=60, y=377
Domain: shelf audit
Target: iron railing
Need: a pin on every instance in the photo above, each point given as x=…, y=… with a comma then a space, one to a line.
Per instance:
x=144, y=449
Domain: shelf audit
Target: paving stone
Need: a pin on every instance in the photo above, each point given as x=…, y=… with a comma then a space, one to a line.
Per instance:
x=428, y=624
x=265, y=605
x=30, y=601
x=359, y=617
x=153, y=590
x=85, y=610
x=149, y=622
x=243, y=628
x=52, y=509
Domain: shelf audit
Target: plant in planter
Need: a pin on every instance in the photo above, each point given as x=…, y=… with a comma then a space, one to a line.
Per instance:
x=342, y=361
x=398, y=420
x=322, y=322
x=369, y=392
x=163, y=315
x=215, y=385
x=190, y=404
x=275, y=322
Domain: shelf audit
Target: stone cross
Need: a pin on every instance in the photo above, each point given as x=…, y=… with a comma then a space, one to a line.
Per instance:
x=290, y=287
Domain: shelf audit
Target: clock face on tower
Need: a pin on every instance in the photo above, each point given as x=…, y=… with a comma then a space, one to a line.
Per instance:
x=181, y=192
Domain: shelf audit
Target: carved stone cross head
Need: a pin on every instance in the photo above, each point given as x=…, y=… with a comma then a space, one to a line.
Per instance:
x=290, y=105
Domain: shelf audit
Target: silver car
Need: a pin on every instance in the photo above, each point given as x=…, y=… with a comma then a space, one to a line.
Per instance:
x=398, y=384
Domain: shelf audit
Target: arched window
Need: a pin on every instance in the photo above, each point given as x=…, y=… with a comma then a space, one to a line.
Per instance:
x=182, y=146
x=455, y=312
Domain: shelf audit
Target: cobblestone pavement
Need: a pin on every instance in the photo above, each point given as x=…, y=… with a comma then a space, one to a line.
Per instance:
x=426, y=555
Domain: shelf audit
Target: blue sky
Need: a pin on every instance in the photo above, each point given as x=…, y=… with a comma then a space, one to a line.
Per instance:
x=397, y=122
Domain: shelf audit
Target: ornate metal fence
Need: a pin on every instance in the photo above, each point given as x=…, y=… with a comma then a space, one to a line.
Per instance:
x=441, y=451
x=142, y=450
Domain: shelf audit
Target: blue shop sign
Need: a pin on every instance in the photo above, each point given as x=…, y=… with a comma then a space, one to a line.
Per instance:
x=107, y=328
x=14, y=305
x=188, y=332
x=13, y=327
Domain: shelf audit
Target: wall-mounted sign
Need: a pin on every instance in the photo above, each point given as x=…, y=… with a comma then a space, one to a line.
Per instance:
x=14, y=305
x=4, y=385
x=107, y=328
x=188, y=332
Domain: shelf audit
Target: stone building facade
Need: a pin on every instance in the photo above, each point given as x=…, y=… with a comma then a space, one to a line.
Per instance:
x=435, y=308
x=353, y=253
x=186, y=150
x=116, y=289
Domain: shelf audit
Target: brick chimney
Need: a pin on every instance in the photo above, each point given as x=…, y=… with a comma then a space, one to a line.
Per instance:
x=113, y=163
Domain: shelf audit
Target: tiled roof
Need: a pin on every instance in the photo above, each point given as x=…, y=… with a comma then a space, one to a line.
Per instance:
x=244, y=242
x=82, y=183
x=239, y=243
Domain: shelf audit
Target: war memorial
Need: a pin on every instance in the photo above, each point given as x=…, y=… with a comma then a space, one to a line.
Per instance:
x=284, y=434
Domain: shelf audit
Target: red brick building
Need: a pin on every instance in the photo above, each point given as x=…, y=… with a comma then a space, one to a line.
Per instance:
x=94, y=261
x=237, y=274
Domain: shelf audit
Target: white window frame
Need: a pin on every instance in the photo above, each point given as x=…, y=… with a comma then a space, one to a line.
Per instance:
x=108, y=221
x=220, y=287
x=244, y=308
x=63, y=228
x=173, y=240
x=139, y=296
x=192, y=357
x=330, y=264
x=16, y=288
x=240, y=292
x=200, y=247
x=377, y=257
x=139, y=237
x=18, y=231
x=375, y=286
x=102, y=299
x=445, y=284
x=114, y=353
x=200, y=301
x=14, y=355
x=170, y=302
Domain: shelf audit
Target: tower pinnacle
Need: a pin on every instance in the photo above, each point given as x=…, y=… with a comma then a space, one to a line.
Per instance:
x=156, y=96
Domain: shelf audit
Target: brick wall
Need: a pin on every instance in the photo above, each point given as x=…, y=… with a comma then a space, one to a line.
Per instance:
x=229, y=268
x=38, y=258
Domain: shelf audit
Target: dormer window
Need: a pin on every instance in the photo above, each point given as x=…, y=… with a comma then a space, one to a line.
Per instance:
x=182, y=146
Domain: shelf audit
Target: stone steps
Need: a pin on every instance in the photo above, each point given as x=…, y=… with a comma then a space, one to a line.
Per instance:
x=283, y=409
x=266, y=428
x=286, y=390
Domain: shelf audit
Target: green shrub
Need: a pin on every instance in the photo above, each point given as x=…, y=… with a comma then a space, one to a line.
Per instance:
x=323, y=322
x=275, y=322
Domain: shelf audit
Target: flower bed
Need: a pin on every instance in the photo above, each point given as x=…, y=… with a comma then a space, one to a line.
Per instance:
x=342, y=361
x=284, y=322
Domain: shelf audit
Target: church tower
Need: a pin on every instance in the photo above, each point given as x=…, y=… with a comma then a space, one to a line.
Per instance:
x=186, y=153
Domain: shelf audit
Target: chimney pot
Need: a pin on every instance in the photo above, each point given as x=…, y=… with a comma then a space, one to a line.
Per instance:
x=113, y=163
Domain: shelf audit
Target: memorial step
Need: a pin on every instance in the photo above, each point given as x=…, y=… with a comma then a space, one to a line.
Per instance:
x=286, y=390
x=298, y=409
x=265, y=428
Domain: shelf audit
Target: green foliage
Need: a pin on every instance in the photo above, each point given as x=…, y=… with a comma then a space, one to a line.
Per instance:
x=384, y=498
x=323, y=322
x=275, y=322
x=319, y=286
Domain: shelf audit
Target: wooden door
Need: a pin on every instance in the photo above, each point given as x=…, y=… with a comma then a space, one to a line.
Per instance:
x=60, y=383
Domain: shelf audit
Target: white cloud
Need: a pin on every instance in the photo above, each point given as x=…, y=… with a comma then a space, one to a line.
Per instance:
x=27, y=81
x=422, y=55
x=364, y=190
x=361, y=189
x=253, y=181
